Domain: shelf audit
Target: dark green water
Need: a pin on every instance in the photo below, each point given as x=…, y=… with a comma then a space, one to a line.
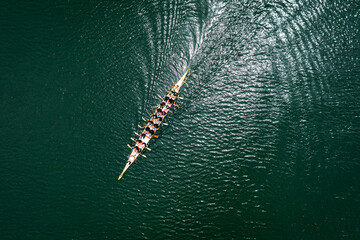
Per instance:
x=265, y=144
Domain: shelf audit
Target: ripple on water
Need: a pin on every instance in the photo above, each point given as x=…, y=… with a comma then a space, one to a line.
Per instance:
x=264, y=144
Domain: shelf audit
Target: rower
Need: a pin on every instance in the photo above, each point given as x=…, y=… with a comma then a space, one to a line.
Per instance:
x=167, y=103
x=173, y=94
x=141, y=144
x=151, y=127
x=158, y=111
x=159, y=115
x=162, y=114
x=137, y=149
x=146, y=131
x=165, y=108
x=154, y=118
x=156, y=121
x=175, y=88
x=147, y=137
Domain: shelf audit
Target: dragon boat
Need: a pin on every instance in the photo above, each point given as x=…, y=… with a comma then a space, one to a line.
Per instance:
x=154, y=122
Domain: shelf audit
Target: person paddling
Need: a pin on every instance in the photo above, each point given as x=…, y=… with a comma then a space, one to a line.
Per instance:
x=137, y=149
x=165, y=108
x=157, y=120
x=152, y=127
x=140, y=144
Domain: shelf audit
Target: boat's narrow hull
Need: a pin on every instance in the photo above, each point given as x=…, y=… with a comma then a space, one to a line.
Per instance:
x=134, y=155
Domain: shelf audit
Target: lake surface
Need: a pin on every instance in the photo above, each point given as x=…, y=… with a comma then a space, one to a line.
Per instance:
x=265, y=144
